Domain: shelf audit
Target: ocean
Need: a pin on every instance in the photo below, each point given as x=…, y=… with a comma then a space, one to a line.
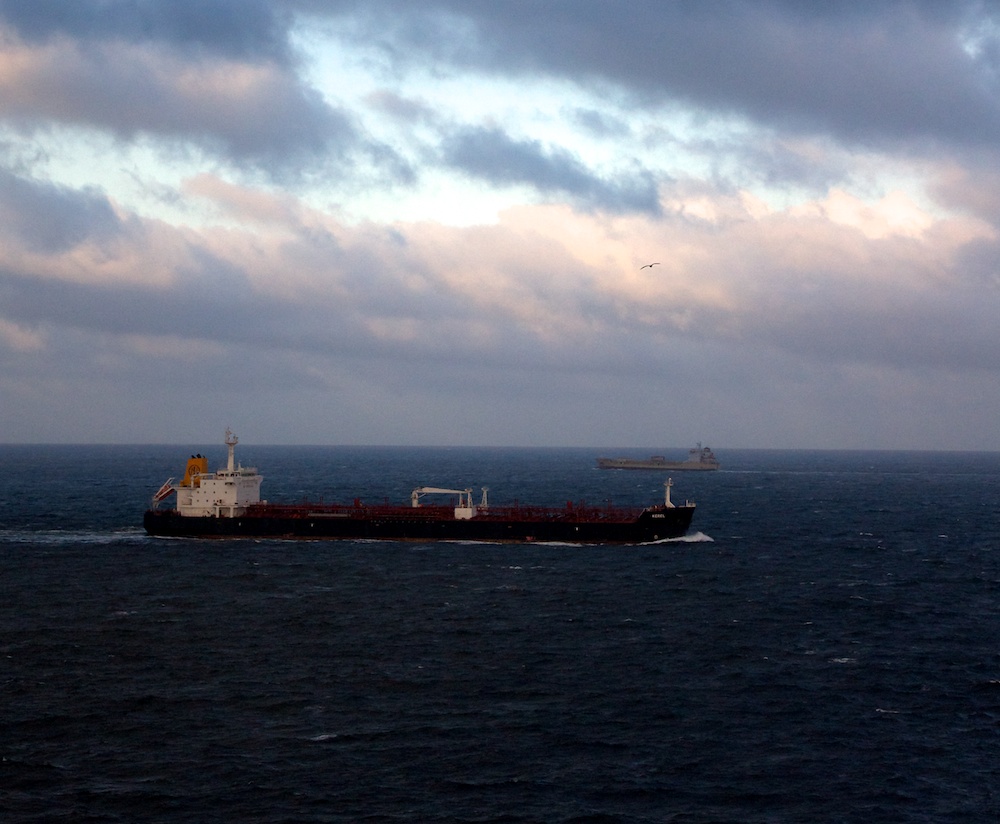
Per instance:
x=824, y=646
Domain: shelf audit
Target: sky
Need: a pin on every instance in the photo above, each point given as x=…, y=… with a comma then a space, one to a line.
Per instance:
x=433, y=222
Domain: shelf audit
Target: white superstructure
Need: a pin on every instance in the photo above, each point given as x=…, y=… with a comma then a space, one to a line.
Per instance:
x=225, y=493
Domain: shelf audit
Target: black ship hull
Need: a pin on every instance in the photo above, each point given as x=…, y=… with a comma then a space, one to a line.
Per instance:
x=430, y=524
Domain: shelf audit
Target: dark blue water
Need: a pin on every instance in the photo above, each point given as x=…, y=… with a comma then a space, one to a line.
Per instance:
x=825, y=647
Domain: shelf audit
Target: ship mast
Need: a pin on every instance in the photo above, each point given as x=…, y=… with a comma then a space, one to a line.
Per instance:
x=666, y=489
x=231, y=441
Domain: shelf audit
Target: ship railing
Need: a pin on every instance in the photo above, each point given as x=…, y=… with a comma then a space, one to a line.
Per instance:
x=305, y=509
x=573, y=512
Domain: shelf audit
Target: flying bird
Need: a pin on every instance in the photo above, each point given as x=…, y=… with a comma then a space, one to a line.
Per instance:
x=649, y=265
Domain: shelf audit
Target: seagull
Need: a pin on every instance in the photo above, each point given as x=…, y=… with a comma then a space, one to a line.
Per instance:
x=649, y=265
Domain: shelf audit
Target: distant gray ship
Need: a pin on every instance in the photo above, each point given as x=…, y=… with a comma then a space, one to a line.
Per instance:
x=699, y=459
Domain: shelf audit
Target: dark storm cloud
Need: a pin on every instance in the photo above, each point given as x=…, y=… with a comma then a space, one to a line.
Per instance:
x=276, y=124
x=47, y=218
x=599, y=124
x=212, y=304
x=865, y=71
x=493, y=155
x=872, y=72
x=217, y=74
x=200, y=295
x=869, y=334
x=211, y=301
x=236, y=29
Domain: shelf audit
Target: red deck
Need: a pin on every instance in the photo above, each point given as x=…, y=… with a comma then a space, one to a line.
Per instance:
x=572, y=513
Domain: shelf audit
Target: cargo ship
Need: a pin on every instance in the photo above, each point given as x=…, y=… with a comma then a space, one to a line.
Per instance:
x=226, y=504
x=699, y=459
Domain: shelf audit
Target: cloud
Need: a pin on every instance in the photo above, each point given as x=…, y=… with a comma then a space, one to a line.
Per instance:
x=839, y=279
x=491, y=154
x=53, y=232
x=971, y=188
x=314, y=210
x=600, y=124
x=257, y=112
x=887, y=72
x=236, y=29
x=46, y=218
x=20, y=338
x=553, y=298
